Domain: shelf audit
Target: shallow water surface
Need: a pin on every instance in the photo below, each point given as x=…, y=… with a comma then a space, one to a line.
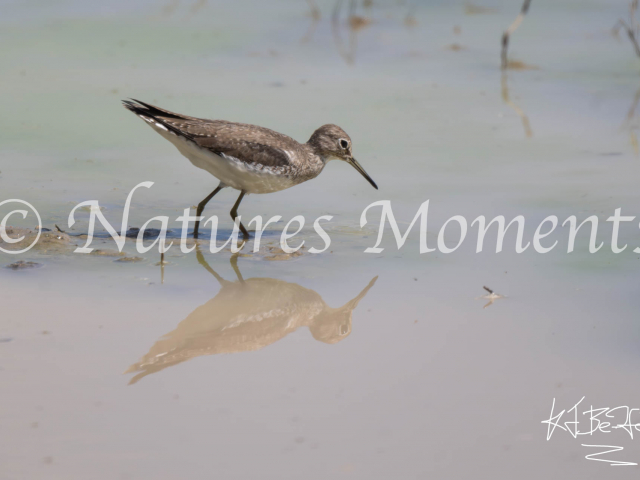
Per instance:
x=340, y=364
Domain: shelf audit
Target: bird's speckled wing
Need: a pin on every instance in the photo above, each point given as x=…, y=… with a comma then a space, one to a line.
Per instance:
x=247, y=143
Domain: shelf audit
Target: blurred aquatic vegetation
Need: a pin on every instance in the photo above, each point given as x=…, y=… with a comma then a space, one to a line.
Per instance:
x=410, y=20
x=505, y=63
x=359, y=15
x=21, y=265
x=507, y=100
x=456, y=46
x=355, y=23
x=632, y=28
x=197, y=6
x=170, y=8
x=315, y=15
x=630, y=123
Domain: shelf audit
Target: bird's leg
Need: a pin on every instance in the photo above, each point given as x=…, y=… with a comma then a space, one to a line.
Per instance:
x=162, y=268
x=234, y=265
x=201, y=206
x=208, y=268
x=234, y=215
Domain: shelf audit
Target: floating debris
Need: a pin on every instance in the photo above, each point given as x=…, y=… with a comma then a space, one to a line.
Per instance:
x=49, y=243
x=276, y=253
x=133, y=232
x=357, y=22
x=518, y=65
x=91, y=208
x=491, y=296
x=130, y=259
x=22, y=265
x=106, y=253
x=280, y=257
x=455, y=47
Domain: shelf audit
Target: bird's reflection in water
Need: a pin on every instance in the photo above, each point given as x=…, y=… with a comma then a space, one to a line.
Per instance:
x=247, y=315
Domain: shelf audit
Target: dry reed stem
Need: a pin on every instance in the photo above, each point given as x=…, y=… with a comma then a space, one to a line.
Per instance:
x=509, y=31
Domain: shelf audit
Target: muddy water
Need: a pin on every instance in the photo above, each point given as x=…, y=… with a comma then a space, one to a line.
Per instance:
x=342, y=364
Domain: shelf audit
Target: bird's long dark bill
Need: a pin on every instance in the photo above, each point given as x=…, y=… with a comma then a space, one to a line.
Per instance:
x=354, y=163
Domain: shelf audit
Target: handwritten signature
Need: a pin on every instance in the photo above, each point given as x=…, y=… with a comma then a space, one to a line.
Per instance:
x=599, y=420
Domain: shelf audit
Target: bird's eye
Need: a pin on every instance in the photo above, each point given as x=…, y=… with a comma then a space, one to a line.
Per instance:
x=344, y=143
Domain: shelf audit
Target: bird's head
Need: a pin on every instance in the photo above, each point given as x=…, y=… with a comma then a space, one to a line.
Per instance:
x=332, y=142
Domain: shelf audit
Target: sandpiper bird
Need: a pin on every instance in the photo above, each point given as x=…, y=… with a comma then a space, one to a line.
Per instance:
x=248, y=158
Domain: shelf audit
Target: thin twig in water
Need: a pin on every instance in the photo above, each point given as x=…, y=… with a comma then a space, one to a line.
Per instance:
x=512, y=28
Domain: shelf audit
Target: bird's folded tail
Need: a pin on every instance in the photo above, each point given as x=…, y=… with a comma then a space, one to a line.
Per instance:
x=157, y=115
x=142, y=108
